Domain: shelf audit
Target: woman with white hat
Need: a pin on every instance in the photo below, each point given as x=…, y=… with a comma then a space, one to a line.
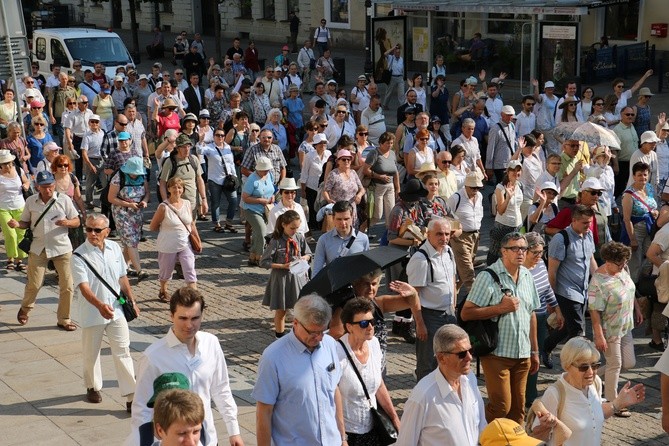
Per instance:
x=12, y=186
x=129, y=195
x=642, y=110
x=343, y=184
x=288, y=190
x=257, y=196
x=310, y=175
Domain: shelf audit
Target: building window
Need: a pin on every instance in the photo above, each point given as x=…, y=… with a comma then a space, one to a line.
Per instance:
x=245, y=9
x=621, y=22
x=166, y=6
x=498, y=24
x=338, y=12
x=268, y=10
x=292, y=5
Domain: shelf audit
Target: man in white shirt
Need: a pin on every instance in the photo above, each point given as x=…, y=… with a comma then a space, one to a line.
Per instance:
x=99, y=310
x=395, y=64
x=494, y=103
x=305, y=60
x=431, y=270
x=372, y=117
x=76, y=126
x=570, y=94
x=526, y=120
x=196, y=354
x=646, y=154
x=467, y=207
x=338, y=126
x=448, y=393
x=471, y=145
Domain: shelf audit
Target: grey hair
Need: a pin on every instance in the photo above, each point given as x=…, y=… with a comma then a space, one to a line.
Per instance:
x=13, y=125
x=272, y=112
x=313, y=309
x=534, y=239
x=446, y=336
x=95, y=216
x=578, y=350
x=511, y=236
x=131, y=107
x=468, y=122
x=435, y=221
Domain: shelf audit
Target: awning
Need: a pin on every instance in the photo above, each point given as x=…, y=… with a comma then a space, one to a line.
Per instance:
x=554, y=7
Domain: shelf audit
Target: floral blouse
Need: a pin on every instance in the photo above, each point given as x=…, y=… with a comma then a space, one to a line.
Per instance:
x=613, y=297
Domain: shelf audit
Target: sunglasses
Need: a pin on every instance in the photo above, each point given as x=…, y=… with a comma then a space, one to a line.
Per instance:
x=446, y=162
x=323, y=125
x=220, y=135
x=515, y=248
x=6, y=164
x=96, y=230
x=424, y=139
x=599, y=104
x=475, y=187
x=289, y=192
x=571, y=105
x=255, y=131
x=38, y=124
x=363, y=323
x=630, y=114
x=363, y=133
x=178, y=74
x=584, y=367
x=60, y=166
x=71, y=103
x=595, y=192
x=246, y=91
x=620, y=86
x=122, y=124
x=30, y=82
x=92, y=121
x=463, y=354
x=341, y=112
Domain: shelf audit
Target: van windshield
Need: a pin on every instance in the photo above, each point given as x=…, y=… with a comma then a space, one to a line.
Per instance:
x=106, y=50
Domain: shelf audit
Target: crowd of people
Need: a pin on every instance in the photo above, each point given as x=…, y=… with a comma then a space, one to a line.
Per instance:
x=579, y=231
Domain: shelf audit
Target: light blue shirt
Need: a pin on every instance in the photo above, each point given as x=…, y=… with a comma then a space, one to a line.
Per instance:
x=301, y=386
x=110, y=265
x=573, y=273
x=395, y=65
x=331, y=245
x=259, y=188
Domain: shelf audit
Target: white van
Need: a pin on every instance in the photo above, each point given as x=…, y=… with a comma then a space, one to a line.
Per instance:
x=65, y=45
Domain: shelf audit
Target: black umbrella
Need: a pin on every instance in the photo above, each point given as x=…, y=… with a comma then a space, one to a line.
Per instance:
x=343, y=270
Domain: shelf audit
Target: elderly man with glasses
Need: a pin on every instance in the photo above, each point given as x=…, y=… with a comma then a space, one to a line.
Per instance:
x=506, y=290
x=448, y=393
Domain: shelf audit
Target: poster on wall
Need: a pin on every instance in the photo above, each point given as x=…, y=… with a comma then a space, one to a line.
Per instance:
x=558, y=53
x=387, y=32
x=421, y=44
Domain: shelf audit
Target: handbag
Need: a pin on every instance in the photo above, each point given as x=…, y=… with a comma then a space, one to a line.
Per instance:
x=126, y=304
x=231, y=182
x=193, y=237
x=483, y=334
x=382, y=426
x=24, y=245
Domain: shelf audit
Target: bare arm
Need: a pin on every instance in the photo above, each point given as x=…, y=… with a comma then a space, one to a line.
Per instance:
x=157, y=219
x=339, y=413
x=553, y=265
x=264, y=423
x=640, y=82
x=383, y=399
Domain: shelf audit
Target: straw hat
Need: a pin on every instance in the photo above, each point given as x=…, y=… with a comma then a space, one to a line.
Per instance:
x=426, y=168
x=288, y=184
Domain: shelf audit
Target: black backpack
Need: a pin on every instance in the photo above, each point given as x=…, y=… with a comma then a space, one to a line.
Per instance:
x=194, y=162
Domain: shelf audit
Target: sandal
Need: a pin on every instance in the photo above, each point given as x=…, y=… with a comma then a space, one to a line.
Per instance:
x=218, y=229
x=202, y=217
x=22, y=317
x=623, y=413
x=228, y=227
x=162, y=296
x=67, y=327
x=10, y=265
x=20, y=266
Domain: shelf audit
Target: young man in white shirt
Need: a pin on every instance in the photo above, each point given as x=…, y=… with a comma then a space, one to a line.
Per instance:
x=526, y=120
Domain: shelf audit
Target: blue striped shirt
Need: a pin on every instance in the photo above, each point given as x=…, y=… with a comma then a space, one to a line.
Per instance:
x=546, y=294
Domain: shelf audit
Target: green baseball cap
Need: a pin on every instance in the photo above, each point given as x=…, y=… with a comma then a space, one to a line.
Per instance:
x=168, y=381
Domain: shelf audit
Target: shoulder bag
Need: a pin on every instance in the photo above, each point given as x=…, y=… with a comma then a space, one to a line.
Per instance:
x=24, y=245
x=126, y=304
x=382, y=426
x=230, y=182
x=193, y=237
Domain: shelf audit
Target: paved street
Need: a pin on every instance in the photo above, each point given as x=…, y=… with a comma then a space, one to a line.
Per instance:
x=42, y=396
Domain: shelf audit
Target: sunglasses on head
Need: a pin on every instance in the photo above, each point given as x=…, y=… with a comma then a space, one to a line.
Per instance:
x=96, y=230
x=462, y=354
x=363, y=323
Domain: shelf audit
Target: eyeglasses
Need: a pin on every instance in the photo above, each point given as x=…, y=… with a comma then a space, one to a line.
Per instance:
x=30, y=82
x=363, y=133
x=620, y=86
x=220, y=135
x=424, y=139
x=341, y=112
x=463, y=354
x=363, y=323
x=312, y=332
x=96, y=230
x=265, y=137
x=599, y=104
x=93, y=122
x=595, y=192
x=571, y=105
x=323, y=125
x=584, y=367
x=255, y=131
x=178, y=74
x=346, y=160
x=555, y=163
x=60, y=166
x=522, y=249
x=536, y=252
x=446, y=162
x=246, y=91
x=122, y=124
x=6, y=164
x=71, y=103
x=630, y=114
x=38, y=124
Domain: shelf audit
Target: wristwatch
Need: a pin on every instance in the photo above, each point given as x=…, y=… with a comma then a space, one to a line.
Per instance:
x=344, y=438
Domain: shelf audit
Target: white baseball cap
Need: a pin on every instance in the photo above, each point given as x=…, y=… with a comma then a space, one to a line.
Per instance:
x=508, y=110
x=549, y=84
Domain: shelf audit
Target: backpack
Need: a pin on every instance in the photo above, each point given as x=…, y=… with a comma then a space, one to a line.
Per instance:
x=539, y=227
x=194, y=162
x=482, y=333
x=562, y=395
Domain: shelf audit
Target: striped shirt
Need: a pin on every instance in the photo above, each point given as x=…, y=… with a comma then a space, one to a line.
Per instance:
x=546, y=294
x=514, y=328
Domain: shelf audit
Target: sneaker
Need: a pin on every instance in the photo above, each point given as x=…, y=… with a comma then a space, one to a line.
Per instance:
x=93, y=396
x=142, y=275
x=659, y=346
x=547, y=359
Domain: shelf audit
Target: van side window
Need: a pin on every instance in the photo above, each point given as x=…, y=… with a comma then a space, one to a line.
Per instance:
x=58, y=54
x=40, y=48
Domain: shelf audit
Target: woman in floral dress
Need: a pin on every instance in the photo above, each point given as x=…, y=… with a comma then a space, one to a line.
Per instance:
x=343, y=183
x=129, y=194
